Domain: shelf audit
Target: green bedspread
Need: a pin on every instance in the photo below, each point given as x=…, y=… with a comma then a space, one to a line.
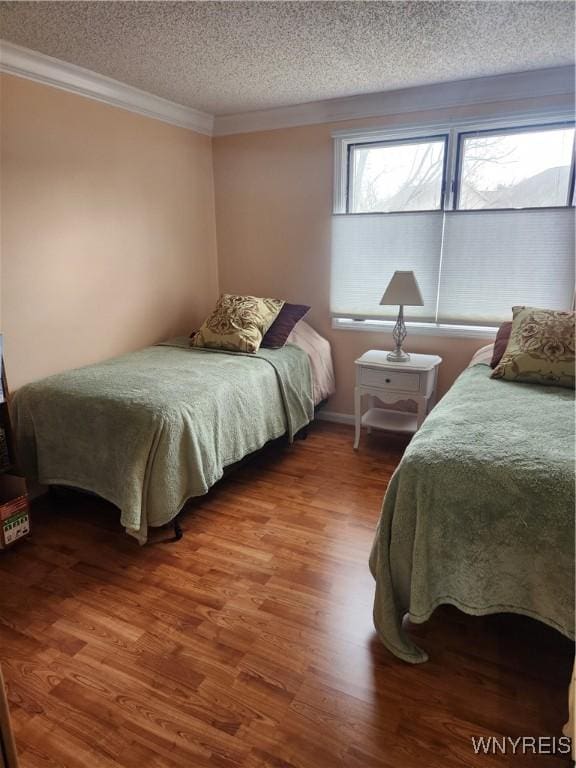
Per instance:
x=480, y=511
x=153, y=428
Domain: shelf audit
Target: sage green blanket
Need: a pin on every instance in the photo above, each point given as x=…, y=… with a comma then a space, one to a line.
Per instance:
x=151, y=429
x=480, y=511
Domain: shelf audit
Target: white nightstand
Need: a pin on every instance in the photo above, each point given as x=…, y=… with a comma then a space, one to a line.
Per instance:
x=390, y=382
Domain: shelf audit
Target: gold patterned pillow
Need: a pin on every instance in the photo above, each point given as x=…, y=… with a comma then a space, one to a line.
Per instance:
x=238, y=323
x=541, y=348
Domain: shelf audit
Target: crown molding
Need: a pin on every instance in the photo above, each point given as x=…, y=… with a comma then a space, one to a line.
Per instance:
x=23, y=62
x=557, y=81
x=32, y=65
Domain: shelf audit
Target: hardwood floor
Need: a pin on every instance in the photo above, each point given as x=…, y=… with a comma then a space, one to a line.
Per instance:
x=250, y=642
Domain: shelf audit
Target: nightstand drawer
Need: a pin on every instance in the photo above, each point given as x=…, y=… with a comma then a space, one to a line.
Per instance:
x=382, y=379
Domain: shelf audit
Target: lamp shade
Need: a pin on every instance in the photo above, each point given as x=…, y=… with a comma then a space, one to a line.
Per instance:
x=403, y=290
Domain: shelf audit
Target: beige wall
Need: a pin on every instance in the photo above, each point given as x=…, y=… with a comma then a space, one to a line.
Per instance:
x=107, y=230
x=273, y=206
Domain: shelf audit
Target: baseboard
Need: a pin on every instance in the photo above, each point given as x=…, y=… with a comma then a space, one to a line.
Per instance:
x=338, y=418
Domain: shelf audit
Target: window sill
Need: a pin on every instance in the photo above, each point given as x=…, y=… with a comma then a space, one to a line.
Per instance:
x=416, y=329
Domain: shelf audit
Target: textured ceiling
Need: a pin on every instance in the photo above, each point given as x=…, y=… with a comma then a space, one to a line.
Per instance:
x=227, y=57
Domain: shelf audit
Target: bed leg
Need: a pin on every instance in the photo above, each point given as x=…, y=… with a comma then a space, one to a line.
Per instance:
x=303, y=434
x=178, y=532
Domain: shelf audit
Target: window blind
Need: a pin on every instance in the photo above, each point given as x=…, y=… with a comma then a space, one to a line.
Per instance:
x=493, y=260
x=366, y=251
x=472, y=266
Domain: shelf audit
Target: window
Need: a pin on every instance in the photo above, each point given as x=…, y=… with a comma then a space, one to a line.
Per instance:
x=530, y=168
x=483, y=215
x=397, y=175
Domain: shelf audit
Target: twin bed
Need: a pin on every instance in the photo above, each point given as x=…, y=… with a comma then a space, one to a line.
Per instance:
x=151, y=429
x=480, y=511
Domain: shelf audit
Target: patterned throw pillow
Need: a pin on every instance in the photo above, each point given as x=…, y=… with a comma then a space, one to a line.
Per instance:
x=237, y=323
x=541, y=348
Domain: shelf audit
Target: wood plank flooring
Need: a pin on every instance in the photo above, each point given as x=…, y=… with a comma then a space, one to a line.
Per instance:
x=250, y=642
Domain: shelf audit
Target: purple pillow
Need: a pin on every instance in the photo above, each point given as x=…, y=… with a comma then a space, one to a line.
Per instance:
x=500, y=343
x=281, y=328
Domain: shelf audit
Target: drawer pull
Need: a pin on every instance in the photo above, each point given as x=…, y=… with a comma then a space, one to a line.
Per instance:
x=387, y=381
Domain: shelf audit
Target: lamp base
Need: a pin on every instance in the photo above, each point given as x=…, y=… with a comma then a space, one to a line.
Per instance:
x=398, y=356
x=399, y=334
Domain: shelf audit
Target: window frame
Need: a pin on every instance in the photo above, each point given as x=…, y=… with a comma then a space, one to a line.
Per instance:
x=530, y=128
x=439, y=138
x=452, y=157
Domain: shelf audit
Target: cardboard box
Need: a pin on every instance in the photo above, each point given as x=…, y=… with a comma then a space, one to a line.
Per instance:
x=14, y=510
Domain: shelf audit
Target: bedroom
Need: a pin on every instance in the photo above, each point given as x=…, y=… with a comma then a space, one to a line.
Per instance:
x=156, y=156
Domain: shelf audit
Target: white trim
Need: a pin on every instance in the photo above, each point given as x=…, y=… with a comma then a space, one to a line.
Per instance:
x=416, y=329
x=32, y=65
x=334, y=416
x=412, y=129
x=340, y=175
x=556, y=81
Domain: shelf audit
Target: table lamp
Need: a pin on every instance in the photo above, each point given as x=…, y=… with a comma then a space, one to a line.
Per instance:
x=402, y=290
